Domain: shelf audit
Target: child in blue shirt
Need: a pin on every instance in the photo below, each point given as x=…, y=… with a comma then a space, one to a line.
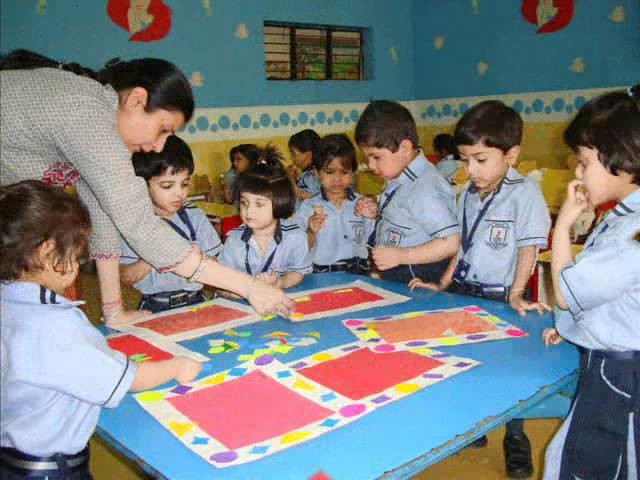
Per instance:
x=416, y=228
x=445, y=147
x=56, y=370
x=167, y=174
x=337, y=236
x=504, y=221
x=267, y=246
x=598, y=295
x=301, y=147
x=242, y=158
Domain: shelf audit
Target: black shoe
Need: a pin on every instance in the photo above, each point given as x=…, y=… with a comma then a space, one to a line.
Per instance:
x=479, y=442
x=517, y=455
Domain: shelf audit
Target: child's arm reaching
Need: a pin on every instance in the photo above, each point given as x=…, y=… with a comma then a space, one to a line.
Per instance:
x=316, y=223
x=432, y=251
x=151, y=374
x=132, y=273
x=366, y=207
x=550, y=336
x=561, y=254
x=289, y=280
x=526, y=260
x=445, y=281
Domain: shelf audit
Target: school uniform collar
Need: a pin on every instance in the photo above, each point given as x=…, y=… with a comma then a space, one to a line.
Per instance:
x=412, y=171
x=630, y=204
x=248, y=233
x=512, y=177
x=32, y=293
x=351, y=195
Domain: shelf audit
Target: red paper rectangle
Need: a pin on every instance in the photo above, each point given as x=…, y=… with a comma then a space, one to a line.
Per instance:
x=363, y=372
x=248, y=410
x=187, y=321
x=335, y=300
x=131, y=345
x=432, y=325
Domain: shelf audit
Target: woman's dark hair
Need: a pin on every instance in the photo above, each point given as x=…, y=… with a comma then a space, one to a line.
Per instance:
x=335, y=146
x=248, y=150
x=444, y=142
x=268, y=178
x=31, y=213
x=175, y=157
x=610, y=123
x=304, y=141
x=166, y=86
x=385, y=124
x=492, y=123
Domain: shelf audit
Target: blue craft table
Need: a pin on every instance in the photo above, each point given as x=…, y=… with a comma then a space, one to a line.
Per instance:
x=395, y=442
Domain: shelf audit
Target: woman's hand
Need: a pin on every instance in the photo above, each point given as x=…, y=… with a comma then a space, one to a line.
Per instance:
x=269, y=300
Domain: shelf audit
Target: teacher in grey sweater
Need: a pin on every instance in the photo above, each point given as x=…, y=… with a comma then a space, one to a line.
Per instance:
x=66, y=125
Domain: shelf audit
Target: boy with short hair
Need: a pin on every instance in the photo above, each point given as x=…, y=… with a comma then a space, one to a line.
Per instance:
x=504, y=221
x=168, y=174
x=416, y=228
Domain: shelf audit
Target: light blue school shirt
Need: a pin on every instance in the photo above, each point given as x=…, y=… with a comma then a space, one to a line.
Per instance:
x=448, y=167
x=288, y=251
x=309, y=182
x=602, y=287
x=344, y=234
x=57, y=371
x=205, y=236
x=517, y=216
x=416, y=207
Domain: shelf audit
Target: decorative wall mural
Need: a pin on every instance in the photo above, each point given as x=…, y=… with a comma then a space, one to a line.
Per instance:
x=206, y=4
x=577, y=65
x=242, y=31
x=617, y=14
x=41, y=8
x=549, y=15
x=146, y=20
x=438, y=42
x=197, y=80
x=395, y=58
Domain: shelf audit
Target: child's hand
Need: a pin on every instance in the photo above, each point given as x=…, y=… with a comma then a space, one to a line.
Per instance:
x=386, y=257
x=316, y=221
x=187, y=369
x=292, y=170
x=126, y=317
x=550, y=336
x=366, y=207
x=271, y=277
x=418, y=283
x=522, y=306
x=573, y=206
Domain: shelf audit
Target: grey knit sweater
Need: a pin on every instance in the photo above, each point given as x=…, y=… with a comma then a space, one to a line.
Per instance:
x=61, y=128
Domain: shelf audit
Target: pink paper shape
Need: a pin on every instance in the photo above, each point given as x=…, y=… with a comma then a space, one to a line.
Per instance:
x=363, y=372
x=431, y=325
x=248, y=410
x=187, y=321
x=330, y=300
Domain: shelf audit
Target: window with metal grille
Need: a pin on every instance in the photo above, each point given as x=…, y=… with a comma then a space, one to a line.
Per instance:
x=312, y=52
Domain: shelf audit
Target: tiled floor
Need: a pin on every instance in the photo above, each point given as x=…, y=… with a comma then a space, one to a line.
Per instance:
x=469, y=464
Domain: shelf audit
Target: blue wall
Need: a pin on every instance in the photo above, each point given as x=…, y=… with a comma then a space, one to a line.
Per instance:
x=233, y=69
x=518, y=59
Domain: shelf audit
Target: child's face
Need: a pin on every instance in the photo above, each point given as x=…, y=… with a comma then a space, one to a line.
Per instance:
x=387, y=164
x=302, y=160
x=240, y=163
x=601, y=185
x=142, y=131
x=487, y=166
x=169, y=191
x=335, y=177
x=256, y=211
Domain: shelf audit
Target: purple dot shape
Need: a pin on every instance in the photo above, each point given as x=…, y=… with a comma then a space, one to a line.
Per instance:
x=440, y=355
x=224, y=457
x=181, y=389
x=263, y=360
x=353, y=410
x=299, y=365
x=353, y=323
x=351, y=347
x=476, y=337
x=384, y=347
x=432, y=375
x=417, y=343
x=375, y=340
x=380, y=399
x=462, y=364
x=362, y=329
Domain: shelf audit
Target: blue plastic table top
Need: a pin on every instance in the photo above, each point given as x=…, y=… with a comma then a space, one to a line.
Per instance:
x=396, y=441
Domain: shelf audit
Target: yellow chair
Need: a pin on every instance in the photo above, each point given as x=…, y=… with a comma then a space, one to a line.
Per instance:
x=200, y=188
x=554, y=187
x=526, y=166
x=461, y=177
